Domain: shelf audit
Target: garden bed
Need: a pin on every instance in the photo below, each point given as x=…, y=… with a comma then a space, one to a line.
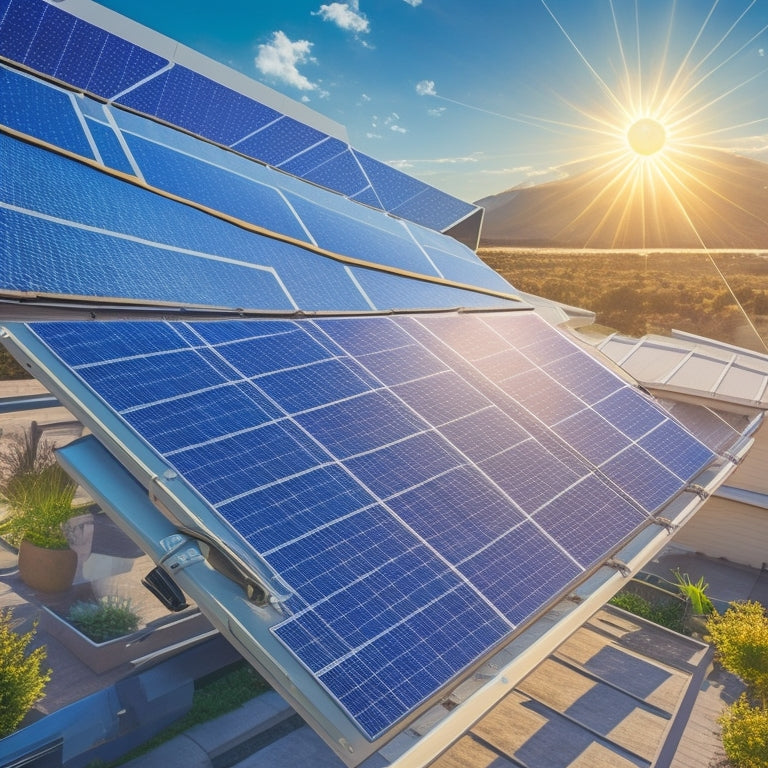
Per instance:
x=156, y=636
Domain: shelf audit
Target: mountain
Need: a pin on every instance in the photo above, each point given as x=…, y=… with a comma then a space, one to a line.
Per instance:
x=708, y=199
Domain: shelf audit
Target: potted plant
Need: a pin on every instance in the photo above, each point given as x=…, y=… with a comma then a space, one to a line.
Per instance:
x=38, y=494
x=700, y=605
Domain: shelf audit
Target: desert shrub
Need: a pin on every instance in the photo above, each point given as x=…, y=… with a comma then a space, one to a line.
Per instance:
x=745, y=734
x=22, y=678
x=104, y=619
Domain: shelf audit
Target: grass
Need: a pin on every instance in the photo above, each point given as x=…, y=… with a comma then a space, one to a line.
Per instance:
x=214, y=695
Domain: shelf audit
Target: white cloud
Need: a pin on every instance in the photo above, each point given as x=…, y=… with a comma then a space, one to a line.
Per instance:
x=398, y=129
x=526, y=170
x=454, y=160
x=365, y=97
x=371, y=135
x=437, y=112
x=391, y=121
x=414, y=3
x=346, y=16
x=426, y=88
x=281, y=58
x=402, y=165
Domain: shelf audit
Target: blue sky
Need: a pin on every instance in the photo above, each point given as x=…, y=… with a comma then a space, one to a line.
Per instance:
x=477, y=97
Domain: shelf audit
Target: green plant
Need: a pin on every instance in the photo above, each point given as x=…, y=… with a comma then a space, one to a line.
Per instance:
x=669, y=614
x=38, y=492
x=22, y=679
x=740, y=636
x=696, y=595
x=104, y=619
x=745, y=734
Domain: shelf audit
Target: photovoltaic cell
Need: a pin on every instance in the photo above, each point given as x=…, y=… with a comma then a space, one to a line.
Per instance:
x=414, y=533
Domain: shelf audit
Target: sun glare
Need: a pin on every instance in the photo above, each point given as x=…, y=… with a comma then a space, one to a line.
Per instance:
x=654, y=156
x=647, y=136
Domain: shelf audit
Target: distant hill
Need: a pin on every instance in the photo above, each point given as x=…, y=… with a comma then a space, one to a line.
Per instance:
x=723, y=203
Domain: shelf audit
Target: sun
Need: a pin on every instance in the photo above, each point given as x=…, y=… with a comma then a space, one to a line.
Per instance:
x=647, y=136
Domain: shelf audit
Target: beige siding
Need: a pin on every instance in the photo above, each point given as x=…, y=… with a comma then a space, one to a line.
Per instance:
x=752, y=473
x=721, y=528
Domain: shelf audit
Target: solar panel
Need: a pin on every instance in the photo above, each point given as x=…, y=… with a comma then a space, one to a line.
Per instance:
x=54, y=42
x=419, y=514
x=159, y=245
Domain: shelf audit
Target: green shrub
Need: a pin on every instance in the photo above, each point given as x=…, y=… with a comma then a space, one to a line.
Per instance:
x=669, y=614
x=745, y=734
x=104, y=619
x=22, y=679
x=740, y=636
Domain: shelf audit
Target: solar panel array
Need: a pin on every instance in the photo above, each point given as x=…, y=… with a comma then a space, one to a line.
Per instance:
x=113, y=239
x=424, y=485
x=51, y=41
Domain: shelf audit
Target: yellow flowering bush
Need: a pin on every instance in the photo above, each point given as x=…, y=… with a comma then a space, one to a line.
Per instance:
x=745, y=734
x=740, y=637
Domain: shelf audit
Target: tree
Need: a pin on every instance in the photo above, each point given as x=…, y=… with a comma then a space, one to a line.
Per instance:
x=740, y=636
x=745, y=734
x=22, y=679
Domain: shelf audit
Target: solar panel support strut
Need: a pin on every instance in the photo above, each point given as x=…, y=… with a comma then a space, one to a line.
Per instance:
x=620, y=566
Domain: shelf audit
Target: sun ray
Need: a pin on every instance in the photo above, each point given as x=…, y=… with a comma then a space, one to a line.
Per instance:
x=712, y=71
x=625, y=64
x=689, y=115
x=603, y=85
x=684, y=62
x=665, y=179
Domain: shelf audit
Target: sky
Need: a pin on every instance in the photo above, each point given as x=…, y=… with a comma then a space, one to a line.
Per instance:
x=479, y=97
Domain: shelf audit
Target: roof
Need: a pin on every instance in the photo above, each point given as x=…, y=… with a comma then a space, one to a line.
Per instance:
x=689, y=364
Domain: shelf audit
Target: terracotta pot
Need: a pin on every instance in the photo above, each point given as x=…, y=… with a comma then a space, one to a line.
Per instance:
x=47, y=570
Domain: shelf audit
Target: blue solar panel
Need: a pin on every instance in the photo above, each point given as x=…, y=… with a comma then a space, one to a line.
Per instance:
x=200, y=105
x=315, y=156
x=341, y=173
x=435, y=509
x=521, y=571
x=280, y=141
x=352, y=237
x=34, y=108
x=664, y=444
x=591, y=435
x=607, y=520
x=223, y=182
x=216, y=188
x=111, y=152
x=638, y=474
x=51, y=36
x=19, y=21
x=633, y=422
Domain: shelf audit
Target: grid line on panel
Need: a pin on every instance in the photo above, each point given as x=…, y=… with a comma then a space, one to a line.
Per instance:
x=256, y=229
x=608, y=476
x=380, y=545
x=488, y=478
x=405, y=619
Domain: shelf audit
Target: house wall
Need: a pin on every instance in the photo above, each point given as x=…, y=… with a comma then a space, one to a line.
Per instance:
x=723, y=528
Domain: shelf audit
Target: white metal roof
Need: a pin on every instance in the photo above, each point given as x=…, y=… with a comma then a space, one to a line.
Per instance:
x=692, y=365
